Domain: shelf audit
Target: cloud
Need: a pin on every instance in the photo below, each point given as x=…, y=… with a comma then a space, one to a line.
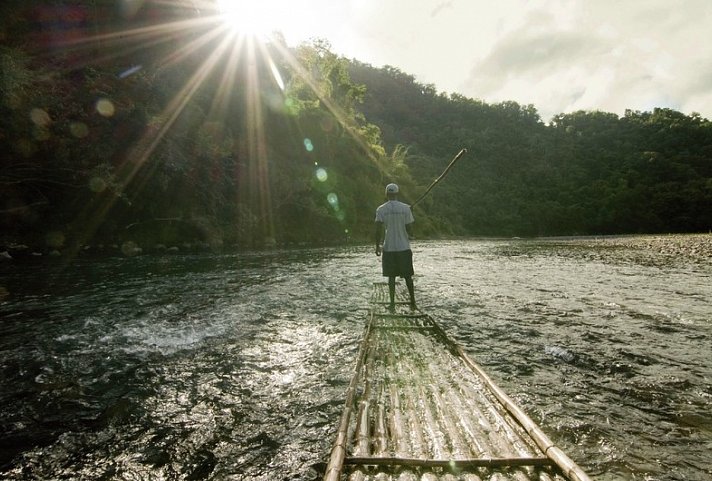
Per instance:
x=532, y=55
x=601, y=56
x=440, y=7
x=560, y=55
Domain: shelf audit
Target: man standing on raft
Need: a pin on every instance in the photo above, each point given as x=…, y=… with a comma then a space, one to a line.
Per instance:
x=396, y=217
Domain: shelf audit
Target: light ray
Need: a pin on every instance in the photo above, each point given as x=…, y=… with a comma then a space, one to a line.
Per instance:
x=228, y=82
x=176, y=107
x=91, y=218
x=275, y=73
x=349, y=126
x=121, y=43
x=195, y=45
x=195, y=36
x=142, y=33
x=259, y=168
x=252, y=18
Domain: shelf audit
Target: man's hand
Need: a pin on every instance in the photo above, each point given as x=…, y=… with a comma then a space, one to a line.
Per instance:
x=378, y=236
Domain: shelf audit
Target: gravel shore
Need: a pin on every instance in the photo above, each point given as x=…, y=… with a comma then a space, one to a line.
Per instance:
x=689, y=247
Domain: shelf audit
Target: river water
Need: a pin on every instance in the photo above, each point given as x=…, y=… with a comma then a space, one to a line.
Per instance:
x=235, y=366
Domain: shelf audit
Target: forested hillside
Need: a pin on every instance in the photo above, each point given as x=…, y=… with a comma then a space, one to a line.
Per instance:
x=157, y=126
x=580, y=173
x=161, y=127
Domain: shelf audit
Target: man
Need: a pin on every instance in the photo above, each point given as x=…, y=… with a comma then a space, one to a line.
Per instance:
x=396, y=217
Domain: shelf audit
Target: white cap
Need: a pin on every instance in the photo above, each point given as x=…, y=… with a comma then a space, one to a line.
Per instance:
x=391, y=189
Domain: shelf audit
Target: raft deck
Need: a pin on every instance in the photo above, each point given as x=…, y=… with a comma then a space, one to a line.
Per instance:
x=418, y=408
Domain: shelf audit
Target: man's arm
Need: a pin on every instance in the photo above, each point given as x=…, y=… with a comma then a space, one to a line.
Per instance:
x=379, y=236
x=409, y=223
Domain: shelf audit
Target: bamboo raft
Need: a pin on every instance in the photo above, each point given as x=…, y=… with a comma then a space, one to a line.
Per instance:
x=418, y=408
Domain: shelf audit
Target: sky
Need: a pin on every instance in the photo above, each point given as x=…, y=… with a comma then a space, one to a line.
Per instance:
x=559, y=55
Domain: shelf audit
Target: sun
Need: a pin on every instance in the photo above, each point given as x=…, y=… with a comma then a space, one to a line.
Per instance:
x=259, y=18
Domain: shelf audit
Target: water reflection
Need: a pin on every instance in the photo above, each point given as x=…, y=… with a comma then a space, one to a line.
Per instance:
x=607, y=350
x=235, y=366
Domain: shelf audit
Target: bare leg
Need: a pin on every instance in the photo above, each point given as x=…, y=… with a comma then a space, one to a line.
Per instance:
x=392, y=291
x=411, y=291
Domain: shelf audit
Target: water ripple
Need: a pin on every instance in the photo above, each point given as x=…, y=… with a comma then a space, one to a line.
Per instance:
x=235, y=366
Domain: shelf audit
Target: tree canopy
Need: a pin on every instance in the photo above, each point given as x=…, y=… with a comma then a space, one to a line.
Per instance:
x=583, y=173
x=159, y=126
x=183, y=132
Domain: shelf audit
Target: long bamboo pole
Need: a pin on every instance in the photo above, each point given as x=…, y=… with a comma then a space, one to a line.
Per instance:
x=553, y=455
x=504, y=441
x=414, y=427
x=338, y=451
x=553, y=452
x=362, y=440
x=443, y=361
x=441, y=177
x=484, y=429
x=458, y=437
x=396, y=421
x=379, y=441
x=450, y=463
x=456, y=446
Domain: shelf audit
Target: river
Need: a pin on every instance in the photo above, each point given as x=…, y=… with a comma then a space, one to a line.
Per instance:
x=235, y=366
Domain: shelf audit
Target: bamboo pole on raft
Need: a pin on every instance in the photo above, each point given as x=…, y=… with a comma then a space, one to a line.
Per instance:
x=550, y=450
x=338, y=452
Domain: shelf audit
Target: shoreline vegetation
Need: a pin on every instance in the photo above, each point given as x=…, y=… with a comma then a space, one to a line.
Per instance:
x=95, y=158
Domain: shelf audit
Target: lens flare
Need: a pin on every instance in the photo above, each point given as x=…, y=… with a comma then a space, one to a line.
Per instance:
x=97, y=184
x=333, y=200
x=79, y=129
x=130, y=71
x=40, y=117
x=105, y=107
x=275, y=73
x=234, y=44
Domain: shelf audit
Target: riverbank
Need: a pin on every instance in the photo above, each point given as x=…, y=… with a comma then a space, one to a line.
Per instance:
x=691, y=247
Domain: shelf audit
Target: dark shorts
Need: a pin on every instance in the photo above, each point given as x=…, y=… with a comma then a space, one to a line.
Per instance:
x=398, y=264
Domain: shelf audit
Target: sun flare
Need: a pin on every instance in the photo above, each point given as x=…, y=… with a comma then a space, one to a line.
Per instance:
x=259, y=18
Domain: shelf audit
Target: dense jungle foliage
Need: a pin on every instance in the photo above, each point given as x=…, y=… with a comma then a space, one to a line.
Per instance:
x=159, y=127
x=582, y=173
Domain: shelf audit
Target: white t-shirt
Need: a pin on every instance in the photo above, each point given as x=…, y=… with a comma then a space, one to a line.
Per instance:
x=395, y=215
